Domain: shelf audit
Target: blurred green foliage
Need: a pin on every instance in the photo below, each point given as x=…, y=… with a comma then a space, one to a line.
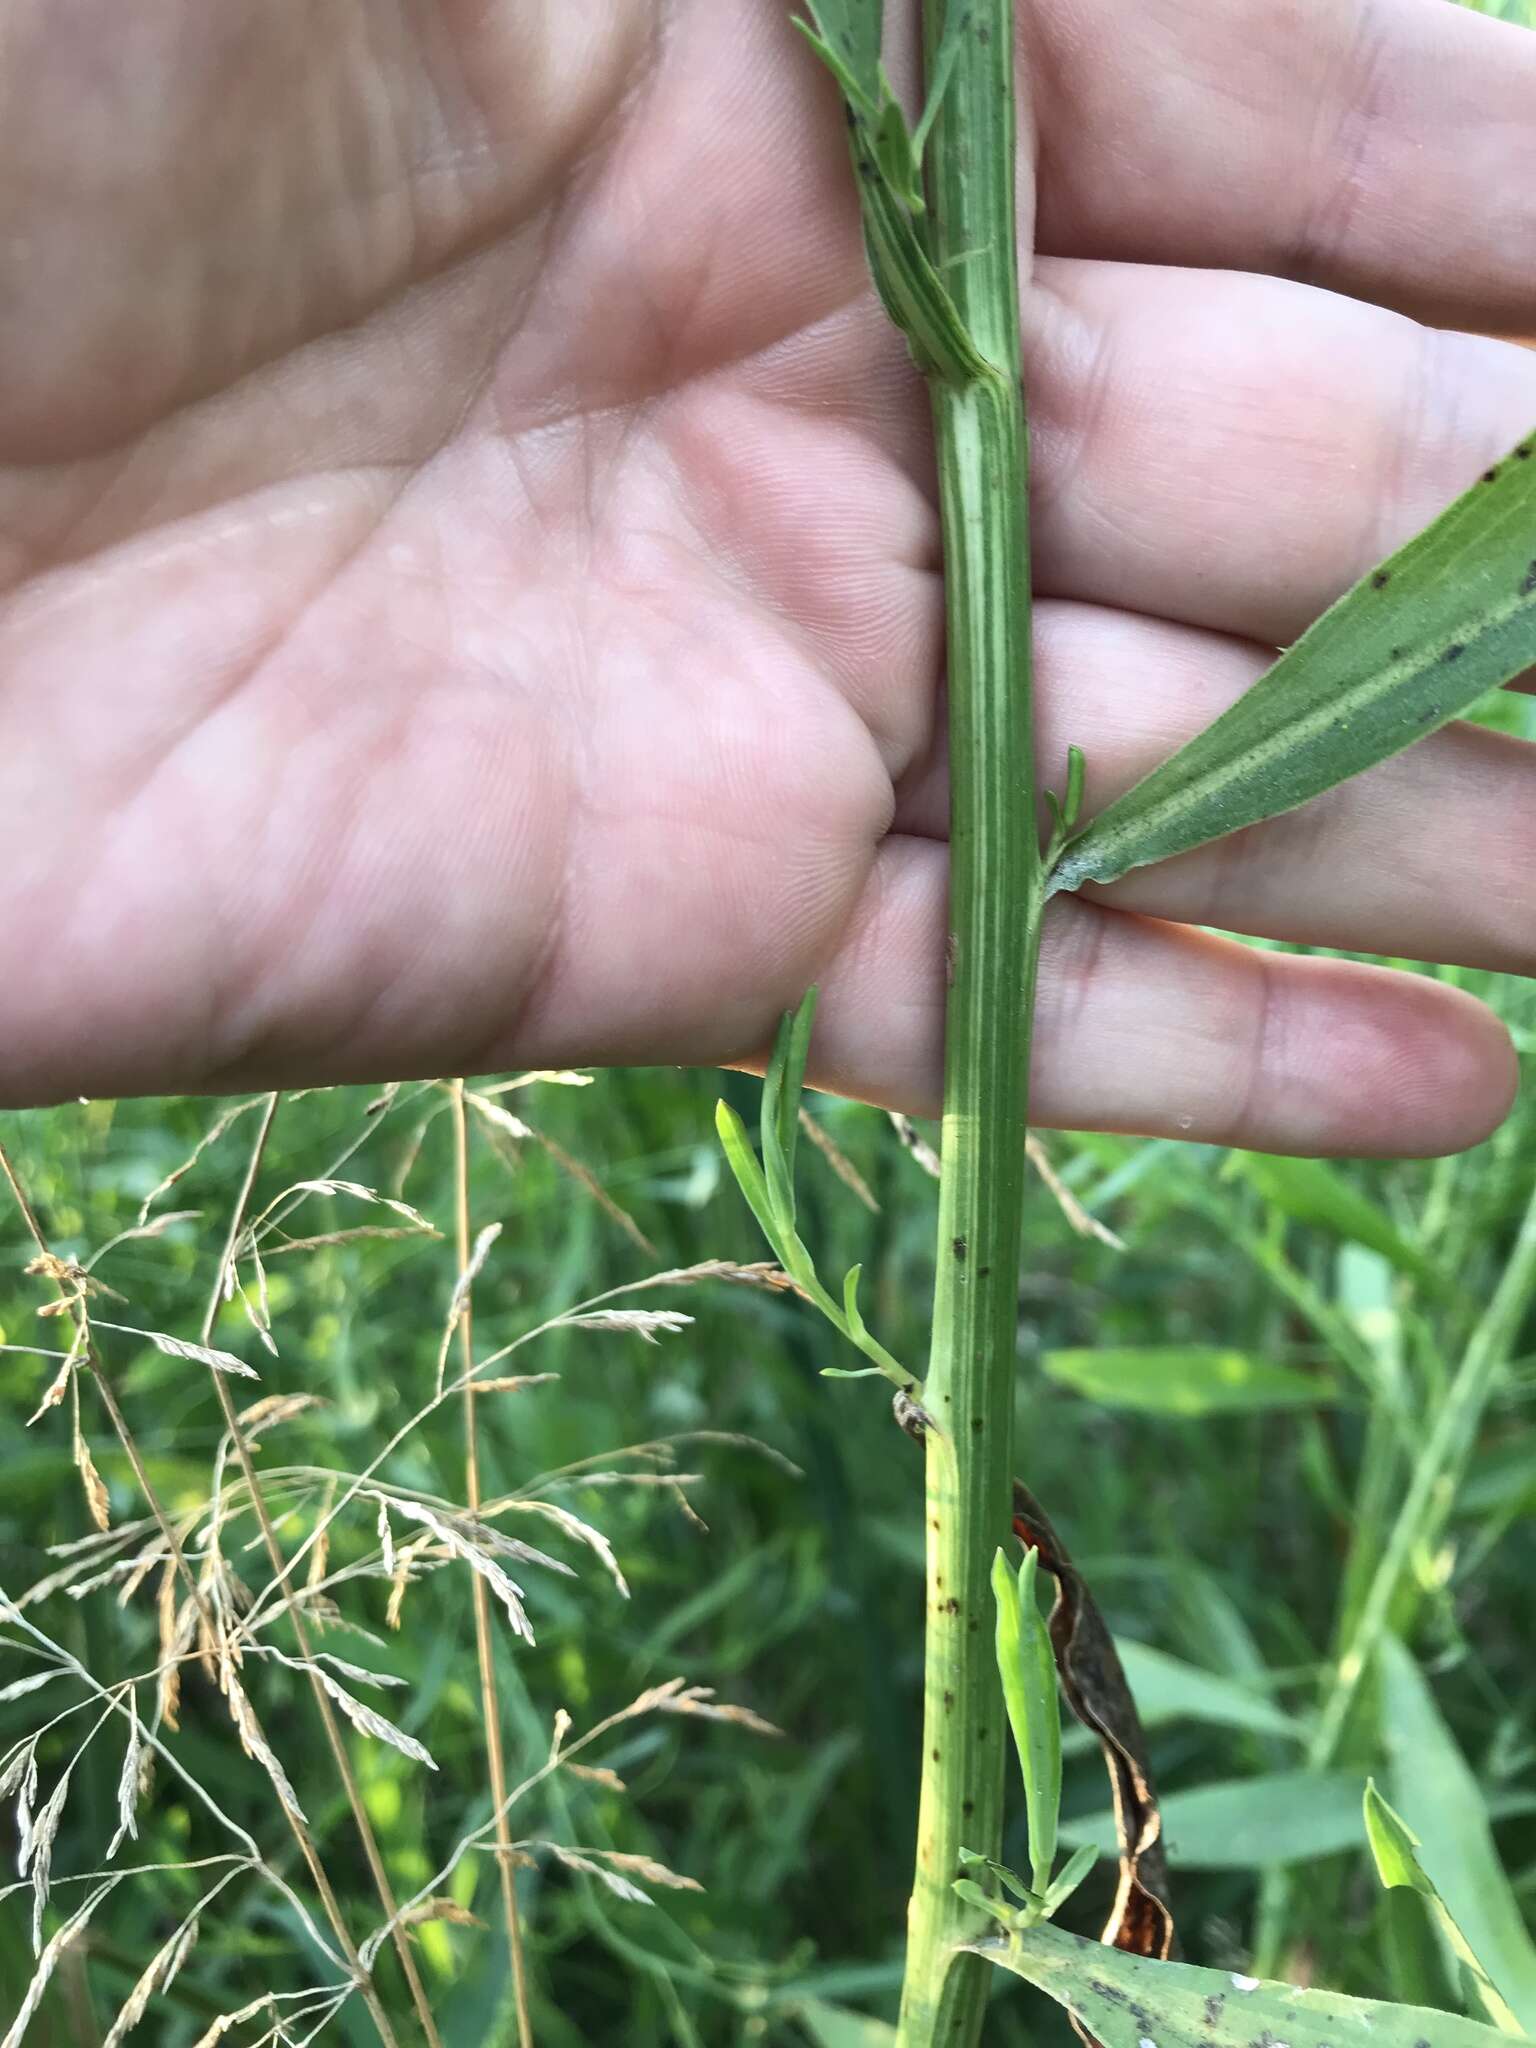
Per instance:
x=1221, y=1542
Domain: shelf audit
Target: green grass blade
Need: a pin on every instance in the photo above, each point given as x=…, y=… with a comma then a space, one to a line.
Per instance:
x=742, y=1161
x=1126, y=2001
x=1249, y=1823
x=1185, y=1380
x=1439, y=1798
x=1395, y=1846
x=847, y=37
x=791, y=1055
x=830, y=2026
x=1313, y=1192
x=1168, y=1689
x=1416, y=642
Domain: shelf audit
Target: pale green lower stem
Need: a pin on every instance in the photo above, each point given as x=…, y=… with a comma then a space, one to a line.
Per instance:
x=1425, y=1507
x=995, y=909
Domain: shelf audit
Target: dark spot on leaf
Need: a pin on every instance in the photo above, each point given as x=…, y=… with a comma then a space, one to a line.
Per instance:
x=983, y=1271
x=1455, y=651
x=1213, y=2006
x=1488, y=476
x=1430, y=711
x=1110, y=1991
x=958, y=1248
x=1395, y=653
x=1380, y=579
x=1523, y=452
x=1530, y=581
x=967, y=1807
x=951, y=1605
x=934, y=1754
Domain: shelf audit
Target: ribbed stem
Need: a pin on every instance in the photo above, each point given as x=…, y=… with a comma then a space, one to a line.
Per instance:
x=994, y=922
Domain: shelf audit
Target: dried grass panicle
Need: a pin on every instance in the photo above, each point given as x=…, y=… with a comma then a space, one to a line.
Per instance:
x=356, y=1528
x=643, y=1322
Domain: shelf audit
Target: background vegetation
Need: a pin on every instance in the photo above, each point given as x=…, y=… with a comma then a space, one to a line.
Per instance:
x=1229, y=1502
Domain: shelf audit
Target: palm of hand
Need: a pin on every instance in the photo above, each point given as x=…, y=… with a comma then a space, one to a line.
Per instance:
x=472, y=580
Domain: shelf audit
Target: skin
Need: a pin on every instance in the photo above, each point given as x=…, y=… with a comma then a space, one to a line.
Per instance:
x=469, y=591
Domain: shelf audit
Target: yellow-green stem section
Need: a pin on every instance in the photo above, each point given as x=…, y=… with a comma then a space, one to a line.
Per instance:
x=994, y=918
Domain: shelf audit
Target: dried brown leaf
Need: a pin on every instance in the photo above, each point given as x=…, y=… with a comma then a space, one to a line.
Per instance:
x=1096, y=1689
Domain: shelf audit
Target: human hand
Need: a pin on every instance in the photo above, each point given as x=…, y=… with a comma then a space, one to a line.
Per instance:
x=469, y=581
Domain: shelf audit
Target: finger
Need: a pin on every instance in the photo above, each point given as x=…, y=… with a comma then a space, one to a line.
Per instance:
x=1157, y=1029
x=1384, y=148
x=1431, y=856
x=1236, y=451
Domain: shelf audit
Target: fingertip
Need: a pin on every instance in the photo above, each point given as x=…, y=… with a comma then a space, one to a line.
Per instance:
x=1415, y=1069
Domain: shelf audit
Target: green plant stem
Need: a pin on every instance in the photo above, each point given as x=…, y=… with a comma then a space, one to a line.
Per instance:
x=1425, y=1506
x=485, y=1650
x=994, y=925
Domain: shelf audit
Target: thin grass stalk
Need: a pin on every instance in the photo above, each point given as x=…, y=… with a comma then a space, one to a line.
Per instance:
x=490, y=1712
x=302, y=1837
x=994, y=926
x=333, y=1735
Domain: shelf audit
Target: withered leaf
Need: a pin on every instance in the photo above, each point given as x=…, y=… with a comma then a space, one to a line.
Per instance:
x=1096, y=1689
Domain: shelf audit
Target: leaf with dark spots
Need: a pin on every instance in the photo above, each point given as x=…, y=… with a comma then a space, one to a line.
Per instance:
x=1377, y=671
x=1126, y=2001
x=1094, y=1683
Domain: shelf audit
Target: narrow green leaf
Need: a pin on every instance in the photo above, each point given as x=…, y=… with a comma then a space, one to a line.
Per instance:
x=1395, y=1846
x=1125, y=2001
x=1000, y=1874
x=1439, y=1798
x=795, y=1038
x=742, y=1161
x=1249, y=1823
x=856, y=1327
x=831, y=2026
x=896, y=152
x=847, y=37
x=1072, y=802
x=984, y=1901
x=940, y=71
x=1185, y=1380
x=1073, y=1871
x=1415, y=643
x=1167, y=1689
x=1313, y=1192
x=1027, y=1667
